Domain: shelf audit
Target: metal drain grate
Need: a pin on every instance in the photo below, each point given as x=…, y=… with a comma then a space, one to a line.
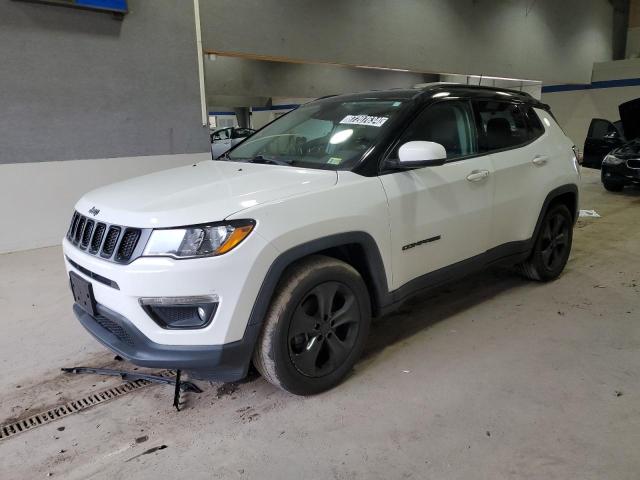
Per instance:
x=74, y=406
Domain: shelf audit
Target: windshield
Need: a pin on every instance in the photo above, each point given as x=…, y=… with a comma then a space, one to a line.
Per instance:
x=327, y=134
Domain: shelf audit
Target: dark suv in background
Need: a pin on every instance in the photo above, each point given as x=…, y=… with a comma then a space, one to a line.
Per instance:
x=614, y=147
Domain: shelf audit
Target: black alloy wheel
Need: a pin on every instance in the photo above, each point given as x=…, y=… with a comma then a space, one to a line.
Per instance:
x=316, y=326
x=324, y=329
x=554, y=242
x=552, y=245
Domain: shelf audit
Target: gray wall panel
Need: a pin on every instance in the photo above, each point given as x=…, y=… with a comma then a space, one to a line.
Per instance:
x=550, y=40
x=78, y=84
x=233, y=76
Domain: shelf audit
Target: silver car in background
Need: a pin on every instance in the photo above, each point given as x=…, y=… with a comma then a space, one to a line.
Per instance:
x=225, y=138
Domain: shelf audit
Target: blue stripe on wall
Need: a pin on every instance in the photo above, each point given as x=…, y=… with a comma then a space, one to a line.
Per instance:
x=626, y=82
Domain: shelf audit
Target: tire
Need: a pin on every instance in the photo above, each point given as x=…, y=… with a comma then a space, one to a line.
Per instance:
x=613, y=187
x=552, y=246
x=315, y=328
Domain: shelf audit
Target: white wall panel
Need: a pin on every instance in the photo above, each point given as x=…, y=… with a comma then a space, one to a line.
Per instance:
x=37, y=199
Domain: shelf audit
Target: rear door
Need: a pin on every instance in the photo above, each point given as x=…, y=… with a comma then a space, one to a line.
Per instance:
x=514, y=136
x=440, y=215
x=603, y=136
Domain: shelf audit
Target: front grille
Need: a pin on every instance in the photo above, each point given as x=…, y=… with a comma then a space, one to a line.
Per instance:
x=635, y=163
x=86, y=235
x=79, y=229
x=96, y=241
x=74, y=224
x=128, y=244
x=111, y=242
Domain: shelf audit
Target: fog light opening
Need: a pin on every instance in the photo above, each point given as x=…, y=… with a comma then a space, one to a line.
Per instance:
x=181, y=312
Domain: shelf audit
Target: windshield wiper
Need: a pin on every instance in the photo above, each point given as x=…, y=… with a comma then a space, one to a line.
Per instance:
x=271, y=161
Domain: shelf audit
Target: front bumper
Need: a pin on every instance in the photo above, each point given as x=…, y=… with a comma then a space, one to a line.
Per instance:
x=227, y=363
x=235, y=278
x=620, y=174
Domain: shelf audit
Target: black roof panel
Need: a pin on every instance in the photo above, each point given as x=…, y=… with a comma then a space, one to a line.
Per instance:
x=455, y=89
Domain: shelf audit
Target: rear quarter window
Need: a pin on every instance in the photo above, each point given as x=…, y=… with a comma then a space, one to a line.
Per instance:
x=536, y=129
x=505, y=125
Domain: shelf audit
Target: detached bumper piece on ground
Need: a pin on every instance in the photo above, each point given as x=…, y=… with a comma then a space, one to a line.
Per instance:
x=180, y=385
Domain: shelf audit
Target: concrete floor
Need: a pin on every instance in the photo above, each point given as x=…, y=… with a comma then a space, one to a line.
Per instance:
x=490, y=378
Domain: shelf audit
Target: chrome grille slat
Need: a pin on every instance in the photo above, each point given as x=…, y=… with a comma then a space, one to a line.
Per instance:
x=79, y=229
x=86, y=234
x=98, y=235
x=72, y=227
x=127, y=244
x=110, y=242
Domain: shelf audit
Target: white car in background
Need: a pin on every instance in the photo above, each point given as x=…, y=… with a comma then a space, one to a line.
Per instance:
x=225, y=138
x=281, y=252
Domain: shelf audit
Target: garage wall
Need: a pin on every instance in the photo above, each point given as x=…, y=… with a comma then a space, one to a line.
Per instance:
x=532, y=88
x=575, y=105
x=86, y=100
x=78, y=84
x=38, y=198
x=633, y=34
x=548, y=40
x=237, y=76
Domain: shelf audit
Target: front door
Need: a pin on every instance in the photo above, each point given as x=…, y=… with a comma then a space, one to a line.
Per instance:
x=602, y=137
x=440, y=215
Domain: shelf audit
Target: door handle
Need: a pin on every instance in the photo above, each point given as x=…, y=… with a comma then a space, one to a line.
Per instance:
x=478, y=175
x=540, y=160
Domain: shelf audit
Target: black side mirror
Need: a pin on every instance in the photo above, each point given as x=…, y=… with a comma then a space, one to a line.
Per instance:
x=614, y=135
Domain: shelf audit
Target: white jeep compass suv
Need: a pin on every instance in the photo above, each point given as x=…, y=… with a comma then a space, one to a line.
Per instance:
x=281, y=251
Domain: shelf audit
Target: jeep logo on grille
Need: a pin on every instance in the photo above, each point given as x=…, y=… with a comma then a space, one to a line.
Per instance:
x=94, y=211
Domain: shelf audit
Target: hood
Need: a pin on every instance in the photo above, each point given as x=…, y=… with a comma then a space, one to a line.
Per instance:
x=630, y=116
x=205, y=192
x=628, y=150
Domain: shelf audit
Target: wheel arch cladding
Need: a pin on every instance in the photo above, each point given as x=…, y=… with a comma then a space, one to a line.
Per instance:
x=564, y=195
x=358, y=249
x=570, y=200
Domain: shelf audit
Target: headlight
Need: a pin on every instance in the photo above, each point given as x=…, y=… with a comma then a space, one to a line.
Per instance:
x=198, y=240
x=612, y=160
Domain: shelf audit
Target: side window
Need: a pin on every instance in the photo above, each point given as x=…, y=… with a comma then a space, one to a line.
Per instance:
x=449, y=123
x=536, y=129
x=620, y=129
x=503, y=125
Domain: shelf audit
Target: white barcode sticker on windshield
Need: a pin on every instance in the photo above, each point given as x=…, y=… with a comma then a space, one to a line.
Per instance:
x=364, y=120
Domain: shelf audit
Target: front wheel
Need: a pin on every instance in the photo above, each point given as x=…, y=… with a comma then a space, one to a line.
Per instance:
x=315, y=328
x=552, y=246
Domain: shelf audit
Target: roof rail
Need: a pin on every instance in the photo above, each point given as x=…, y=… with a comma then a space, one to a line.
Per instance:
x=425, y=86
